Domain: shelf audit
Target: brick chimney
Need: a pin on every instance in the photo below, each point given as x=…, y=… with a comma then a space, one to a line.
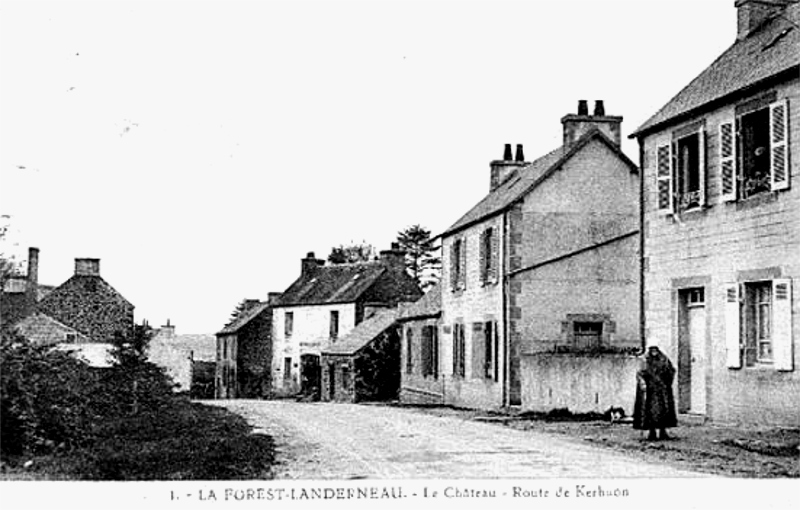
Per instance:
x=273, y=297
x=501, y=169
x=310, y=264
x=32, y=284
x=394, y=258
x=87, y=267
x=750, y=14
x=575, y=125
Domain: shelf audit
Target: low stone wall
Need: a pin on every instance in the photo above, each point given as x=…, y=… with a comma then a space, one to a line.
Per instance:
x=581, y=383
x=417, y=396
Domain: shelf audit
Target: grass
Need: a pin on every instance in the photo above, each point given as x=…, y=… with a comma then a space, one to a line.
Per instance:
x=183, y=441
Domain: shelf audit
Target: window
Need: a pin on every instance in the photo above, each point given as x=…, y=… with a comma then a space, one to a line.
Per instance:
x=287, y=369
x=430, y=351
x=758, y=324
x=680, y=170
x=587, y=335
x=288, y=324
x=409, y=351
x=458, y=264
x=753, y=150
x=459, y=357
x=334, y=324
x=488, y=256
x=345, y=377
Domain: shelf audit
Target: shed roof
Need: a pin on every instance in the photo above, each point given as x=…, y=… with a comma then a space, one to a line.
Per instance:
x=770, y=50
x=363, y=333
x=41, y=329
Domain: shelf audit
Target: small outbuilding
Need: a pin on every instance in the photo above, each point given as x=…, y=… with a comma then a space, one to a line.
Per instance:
x=365, y=364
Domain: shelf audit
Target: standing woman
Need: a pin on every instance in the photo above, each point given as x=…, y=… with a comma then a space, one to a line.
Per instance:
x=655, y=407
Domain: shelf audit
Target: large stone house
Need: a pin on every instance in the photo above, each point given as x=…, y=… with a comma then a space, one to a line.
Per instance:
x=541, y=276
x=721, y=231
x=244, y=352
x=323, y=305
x=83, y=314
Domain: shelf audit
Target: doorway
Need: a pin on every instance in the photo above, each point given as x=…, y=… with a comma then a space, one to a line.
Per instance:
x=310, y=375
x=692, y=362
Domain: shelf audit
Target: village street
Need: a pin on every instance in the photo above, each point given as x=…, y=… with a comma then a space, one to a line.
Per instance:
x=347, y=441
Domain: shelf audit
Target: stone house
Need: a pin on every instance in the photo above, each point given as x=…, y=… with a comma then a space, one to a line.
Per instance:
x=325, y=303
x=181, y=355
x=364, y=365
x=244, y=352
x=420, y=370
x=540, y=278
x=721, y=236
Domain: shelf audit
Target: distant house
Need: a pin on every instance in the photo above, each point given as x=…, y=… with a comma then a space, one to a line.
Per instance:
x=181, y=355
x=422, y=381
x=84, y=314
x=541, y=276
x=244, y=352
x=325, y=303
x=721, y=236
x=364, y=364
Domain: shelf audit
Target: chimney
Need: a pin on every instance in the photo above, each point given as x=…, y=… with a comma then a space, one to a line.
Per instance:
x=751, y=14
x=310, y=264
x=273, y=297
x=168, y=330
x=394, y=258
x=501, y=169
x=87, y=267
x=575, y=126
x=33, y=268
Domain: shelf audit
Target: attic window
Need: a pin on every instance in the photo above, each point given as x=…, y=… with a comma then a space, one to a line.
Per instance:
x=777, y=38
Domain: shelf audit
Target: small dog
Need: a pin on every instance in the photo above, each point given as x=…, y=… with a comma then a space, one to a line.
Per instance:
x=614, y=414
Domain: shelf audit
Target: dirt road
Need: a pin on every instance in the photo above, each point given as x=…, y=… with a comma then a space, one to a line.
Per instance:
x=345, y=441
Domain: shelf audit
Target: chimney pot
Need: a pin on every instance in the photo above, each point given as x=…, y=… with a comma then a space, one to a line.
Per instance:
x=583, y=107
x=599, y=109
x=507, y=153
x=520, y=157
x=309, y=264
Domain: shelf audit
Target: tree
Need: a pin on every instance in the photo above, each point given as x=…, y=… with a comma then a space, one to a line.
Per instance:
x=422, y=255
x=8, y=264
x=348, y=254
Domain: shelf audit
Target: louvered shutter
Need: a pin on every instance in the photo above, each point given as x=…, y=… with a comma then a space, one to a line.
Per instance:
x=664, y=178
x=779, y=145
x=463, y=264
x=727, y=162
x=484, y=253
x=701, y=166
x=494, y=255
x=732, y=335
x=782, y=323
x=456, y=354
x=478, y=354
x=454, y=264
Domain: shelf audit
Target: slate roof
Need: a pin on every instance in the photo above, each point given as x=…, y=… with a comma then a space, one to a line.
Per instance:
x=363, y=333
x=525, y=179
x=41, y=329
x=429, y=305
x=341, y=283
x=243, y=319
x=772, y=49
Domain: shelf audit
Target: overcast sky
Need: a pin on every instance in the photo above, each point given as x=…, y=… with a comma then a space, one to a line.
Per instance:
x=200, y=149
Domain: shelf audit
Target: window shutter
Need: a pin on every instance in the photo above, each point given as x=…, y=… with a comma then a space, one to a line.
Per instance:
x=483, y=255
x=732, y=337
x=456, y=354
x=434, y=350
x=727, y=162
x=463, y=264
x=478, y=354
x=782, y=323
x=454, y=264
x=701, y=166
x=664, y=178
x=494, y=255
x=779, y=149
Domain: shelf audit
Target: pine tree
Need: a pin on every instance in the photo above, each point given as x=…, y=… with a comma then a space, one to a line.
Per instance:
x=422, y=255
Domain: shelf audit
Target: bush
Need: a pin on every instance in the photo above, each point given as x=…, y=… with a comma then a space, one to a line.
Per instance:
x=44, y=395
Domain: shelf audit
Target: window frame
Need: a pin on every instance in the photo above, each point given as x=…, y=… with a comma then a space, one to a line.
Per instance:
x=333, y=332
x=288, y=324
